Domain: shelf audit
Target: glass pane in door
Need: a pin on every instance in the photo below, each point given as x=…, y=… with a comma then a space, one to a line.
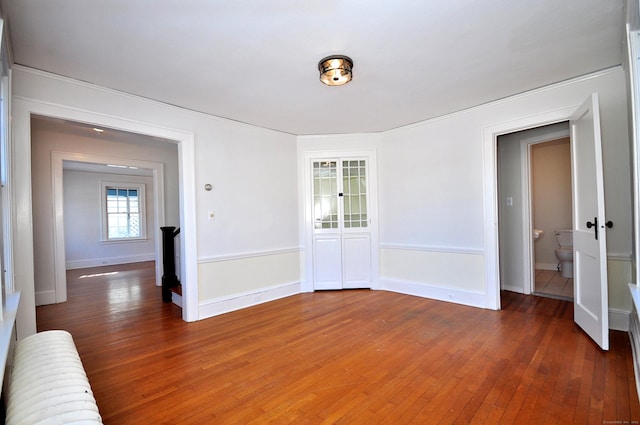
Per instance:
x=354, y=182
x=325, y=195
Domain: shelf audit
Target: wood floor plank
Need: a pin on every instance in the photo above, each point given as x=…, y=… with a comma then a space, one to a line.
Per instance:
x=338, y=357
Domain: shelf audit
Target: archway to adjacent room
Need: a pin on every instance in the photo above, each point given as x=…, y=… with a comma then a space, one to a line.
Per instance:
x=23, y=109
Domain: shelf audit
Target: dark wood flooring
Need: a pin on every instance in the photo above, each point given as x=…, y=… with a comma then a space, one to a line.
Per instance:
x=339, y=357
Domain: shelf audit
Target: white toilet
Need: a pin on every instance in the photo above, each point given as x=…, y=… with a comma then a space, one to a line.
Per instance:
x=565, y=252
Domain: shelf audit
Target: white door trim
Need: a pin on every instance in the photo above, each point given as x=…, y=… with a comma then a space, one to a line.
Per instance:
x=22, y=109
x=490, y=183
x=372, y=161
x=57, y=172
x=634, y=92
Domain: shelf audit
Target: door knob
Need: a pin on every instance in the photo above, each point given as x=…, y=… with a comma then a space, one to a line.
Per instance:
x=609, y=224
x=593, y=224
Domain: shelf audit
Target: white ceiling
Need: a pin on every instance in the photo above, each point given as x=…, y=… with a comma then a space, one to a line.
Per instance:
x=89, y=133
x=94, y=167
x=255, y=61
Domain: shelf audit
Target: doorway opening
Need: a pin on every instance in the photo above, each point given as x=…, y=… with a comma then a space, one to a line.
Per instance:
x=72, y=166
x=535, y=211
x=551, y=211
x=589, y=220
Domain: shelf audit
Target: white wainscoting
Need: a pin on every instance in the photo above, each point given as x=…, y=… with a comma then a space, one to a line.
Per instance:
x=512, y=288
x=620, y=271
x=619, y=319
x=449, y=274
x=420, y=289
x=435, y=249
x=241, y=280
x=546, y=266
x=221, y=305
x=45, y=297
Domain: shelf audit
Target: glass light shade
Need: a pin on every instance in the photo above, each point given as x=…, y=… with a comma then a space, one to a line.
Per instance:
x=335, y=70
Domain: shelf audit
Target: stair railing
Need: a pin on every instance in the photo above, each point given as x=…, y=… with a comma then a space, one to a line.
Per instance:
x=169, y=278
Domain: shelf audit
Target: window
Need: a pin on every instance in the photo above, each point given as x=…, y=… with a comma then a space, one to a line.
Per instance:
x=354, y=185
x=340, y=194
x=123, y=211
x=325, y=194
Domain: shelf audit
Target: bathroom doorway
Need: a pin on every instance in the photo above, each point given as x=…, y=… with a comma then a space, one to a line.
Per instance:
x=534, y=189
x=551, y=212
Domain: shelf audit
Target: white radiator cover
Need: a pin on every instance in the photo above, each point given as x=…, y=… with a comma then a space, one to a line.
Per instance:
x=48, y=384
x=634, y=335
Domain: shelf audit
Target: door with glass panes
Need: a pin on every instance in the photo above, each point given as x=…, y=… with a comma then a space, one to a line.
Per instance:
x=341, y=234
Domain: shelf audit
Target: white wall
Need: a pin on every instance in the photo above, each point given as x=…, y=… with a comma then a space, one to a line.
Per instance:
x=432, y=185
x=255, y=232
x=255, y=194
x=512, y=241
x=84, y=245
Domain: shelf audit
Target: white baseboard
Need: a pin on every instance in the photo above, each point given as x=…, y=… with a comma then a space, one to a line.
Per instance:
x=176, y=299
x=513, y=288
x=453, y=295
x=45, y=297
x=217, y=306
x=547, y=266
x=619, y=320
x=97, y=262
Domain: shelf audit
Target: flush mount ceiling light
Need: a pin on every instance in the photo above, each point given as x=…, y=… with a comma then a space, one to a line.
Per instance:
x=335, y=70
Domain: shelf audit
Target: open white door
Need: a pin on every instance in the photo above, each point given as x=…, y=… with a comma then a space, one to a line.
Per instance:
x=589, y=235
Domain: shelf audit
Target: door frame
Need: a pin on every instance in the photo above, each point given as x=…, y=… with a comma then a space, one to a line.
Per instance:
x=527, y=204
x=491, y=194
x=22, y=109
x=371, y=158
x=57, y=172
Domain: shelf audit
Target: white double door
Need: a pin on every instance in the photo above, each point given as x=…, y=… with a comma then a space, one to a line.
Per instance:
x=341, y=220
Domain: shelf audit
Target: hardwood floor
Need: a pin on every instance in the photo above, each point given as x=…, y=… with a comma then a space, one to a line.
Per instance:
x=343, y=357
